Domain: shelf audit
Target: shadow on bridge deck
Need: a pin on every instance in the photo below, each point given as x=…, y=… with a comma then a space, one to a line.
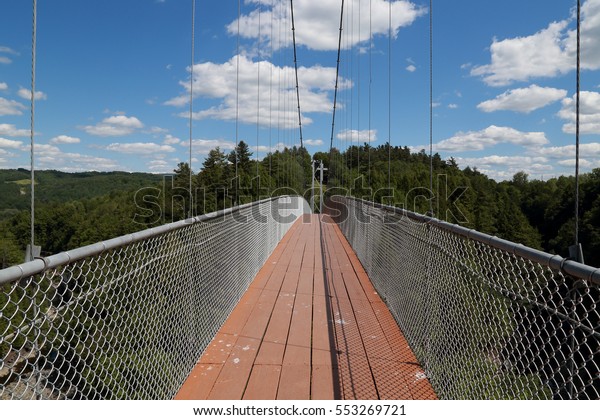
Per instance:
x=310, y=326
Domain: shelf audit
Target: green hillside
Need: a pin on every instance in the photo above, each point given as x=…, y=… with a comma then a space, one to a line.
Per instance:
x=60, y=187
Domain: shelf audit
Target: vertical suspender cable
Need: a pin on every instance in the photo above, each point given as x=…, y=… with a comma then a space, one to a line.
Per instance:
x=358, y=141
x=296, y=69
x=258, y=91
x=350, y=63
x=36, y=371
x=271, y=99
x=192, y=103
x=431, y=106
x=390, y=96
x=370, y=79
x=577, y=129
x=32, y=124
x=237, y=101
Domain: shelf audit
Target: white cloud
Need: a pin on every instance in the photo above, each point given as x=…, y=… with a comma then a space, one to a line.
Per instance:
x=279, y=146
x=159, y=165
x=362, y=136
x=589, y=113
x=589, y=150
x=519, y=59
x=202, y=147
x=452, y=106
x=157, y=130
x=140, y=148
x=489, y=137
x=6, y=51
x=583, y=163
x=62, y=139
x=169, y=139
x=11, y=131
x=317, y=22
x=317, y=142
x=117, y=125
x=51, y=157
x=10, y=144
x=26, y=94
x=3, y=86
x=218, y=81
x=548, y=53
x=524, y=100
x=496, y=160
x=504, y=167
x=411, y=68
x=10, y=107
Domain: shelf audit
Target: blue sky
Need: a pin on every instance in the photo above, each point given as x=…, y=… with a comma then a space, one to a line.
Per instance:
x=113, y=81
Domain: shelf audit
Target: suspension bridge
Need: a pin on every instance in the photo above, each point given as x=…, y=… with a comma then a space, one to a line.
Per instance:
x=272, y=300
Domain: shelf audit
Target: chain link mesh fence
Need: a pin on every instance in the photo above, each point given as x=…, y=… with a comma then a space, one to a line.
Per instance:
x=129, y=318
x=486, y=318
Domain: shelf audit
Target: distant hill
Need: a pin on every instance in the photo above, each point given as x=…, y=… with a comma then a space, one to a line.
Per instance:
x=55, y=186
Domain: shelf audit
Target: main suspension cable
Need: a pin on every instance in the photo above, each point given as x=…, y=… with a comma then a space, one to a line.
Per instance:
x=337, y=75
x=296, y=69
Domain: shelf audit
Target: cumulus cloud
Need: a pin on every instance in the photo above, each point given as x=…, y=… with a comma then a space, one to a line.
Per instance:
x=318, y=21
x=169, y=139
x=157, y=130
x=489, y=137
x=411, y=68
x=26, y=94
x=362, y=136
x=202, y=146
x=219, y=81
x=317, y=142
x=11, y=131
x=583, y=163
x=589, y=150
x=62, y=139
x=3, y=86
x=278, y=146
x=10, y=107
x=589, y=113
x=51, y=157
x=10, y=144
x=117, y=125
x=519, y=59
x=504, y=167
x=140, y=148
x=6, y=51
x=524, y=100
x=548, y=53
x=159, y=165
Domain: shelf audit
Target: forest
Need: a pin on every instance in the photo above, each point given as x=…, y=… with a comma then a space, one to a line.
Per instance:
x=73, y=210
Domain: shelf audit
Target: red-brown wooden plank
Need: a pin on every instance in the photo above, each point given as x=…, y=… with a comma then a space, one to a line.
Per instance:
x=311, y=325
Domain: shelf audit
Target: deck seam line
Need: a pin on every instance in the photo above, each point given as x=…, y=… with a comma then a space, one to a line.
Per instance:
x=362, y=341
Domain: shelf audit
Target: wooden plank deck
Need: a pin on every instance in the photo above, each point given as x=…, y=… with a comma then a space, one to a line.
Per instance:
x=310, y=326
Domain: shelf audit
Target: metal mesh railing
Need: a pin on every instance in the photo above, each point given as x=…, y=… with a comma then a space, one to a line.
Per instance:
x=486, y=318
x=129, y=318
